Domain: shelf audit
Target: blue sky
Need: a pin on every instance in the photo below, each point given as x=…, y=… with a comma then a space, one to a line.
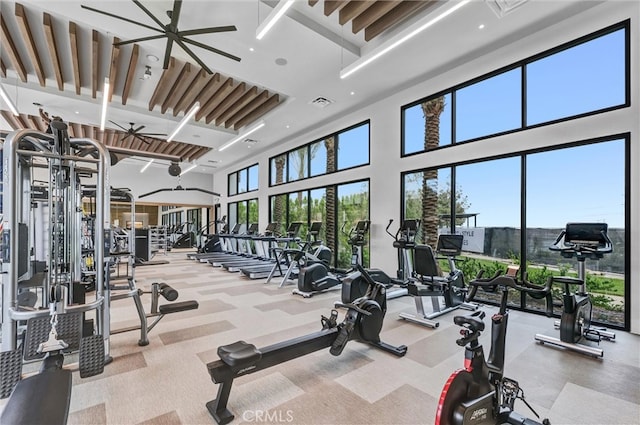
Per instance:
x=578, y=184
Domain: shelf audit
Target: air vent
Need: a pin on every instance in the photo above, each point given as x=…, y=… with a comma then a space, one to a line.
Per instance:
x=321, y=102
x=213, y=161
x=503, y=7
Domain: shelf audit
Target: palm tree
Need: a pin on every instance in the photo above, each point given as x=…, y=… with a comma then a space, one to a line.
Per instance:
x=330, y=214
x=278, y=203
x=432, y=109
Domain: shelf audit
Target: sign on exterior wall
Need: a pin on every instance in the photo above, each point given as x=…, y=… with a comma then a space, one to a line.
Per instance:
x=473, y=238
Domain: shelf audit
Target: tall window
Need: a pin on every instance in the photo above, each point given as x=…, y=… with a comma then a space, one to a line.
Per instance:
x=347, y=148
x=245, y=180
x=585, y=76
x=585, y=182
x=243, y=212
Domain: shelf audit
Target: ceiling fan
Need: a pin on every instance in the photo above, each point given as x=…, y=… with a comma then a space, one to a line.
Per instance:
x=172, y=34
x=136, y=132
x=178, y=188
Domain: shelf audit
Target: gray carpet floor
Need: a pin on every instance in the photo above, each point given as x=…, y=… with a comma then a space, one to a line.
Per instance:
x=166, y=382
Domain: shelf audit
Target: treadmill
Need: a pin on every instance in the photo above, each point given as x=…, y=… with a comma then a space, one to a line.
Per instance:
x=228, y=249
x=241, y=247
x=260, y=250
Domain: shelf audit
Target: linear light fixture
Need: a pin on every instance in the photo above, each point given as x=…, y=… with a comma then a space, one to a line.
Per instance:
x=146, y=166
x=105, y=100
x=193, y=166
x=184, y=121
x=272, y=18
x=237, y=139
x=8, y=101
x=398, y=40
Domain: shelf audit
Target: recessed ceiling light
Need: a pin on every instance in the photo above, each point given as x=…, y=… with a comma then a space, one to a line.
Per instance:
x=288, y=126
x=481, y=26
x=77, y=112
x=251, y=49
x=152, y=58
x=281, y=61
x=352, y=93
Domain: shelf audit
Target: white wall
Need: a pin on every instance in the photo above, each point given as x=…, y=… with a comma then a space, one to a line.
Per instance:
x=125, y=175
x=385, y=137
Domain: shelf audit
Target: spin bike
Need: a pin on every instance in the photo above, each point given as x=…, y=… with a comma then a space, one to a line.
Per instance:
x=363, y=322
x=582, y=241
x=480, y=394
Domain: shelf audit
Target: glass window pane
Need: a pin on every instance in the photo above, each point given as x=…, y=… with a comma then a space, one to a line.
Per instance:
x=584, y=78
x=233, y=184
x=278, y=167
x=253, y=177
x=553, y=201
x=278, y=211
x=489, y=106
x=298, y=167
x=353, y=205
x=319, y=209
x=232, y=215
x=298, y=206
x=242, y=180
x=353, y=147
x=253, y=211
x=416, y=125
x=318, y=153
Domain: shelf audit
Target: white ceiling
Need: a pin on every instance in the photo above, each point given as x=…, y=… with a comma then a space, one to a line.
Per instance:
x=313, y=60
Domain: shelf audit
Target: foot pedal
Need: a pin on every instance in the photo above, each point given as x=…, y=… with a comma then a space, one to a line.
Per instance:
x=91, y=356
x=10, y=371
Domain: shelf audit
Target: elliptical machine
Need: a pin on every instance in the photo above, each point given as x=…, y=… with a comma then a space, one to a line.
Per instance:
x=480, y=394
x=319, y=277
x=582, y=241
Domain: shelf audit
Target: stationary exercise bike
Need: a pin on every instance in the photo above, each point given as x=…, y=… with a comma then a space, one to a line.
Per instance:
x=480, y=394
x=363, y=322
x=582, y=241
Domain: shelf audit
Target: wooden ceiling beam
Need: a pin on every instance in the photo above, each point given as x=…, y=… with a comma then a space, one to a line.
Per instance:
x=167, y=79
x=95, y=62
x=36, y=123
x=174, y=147
x=3, y=69
x=265, y=107
x=189, y=97
x=192, y=153
x=131, y=71
x=331, y=6
x=155, y=144
x=88, y=131
x=75, y=56
x=353, y=9
x=113, y=68
x=313, y=2
x=228, y=101
x=246, y=98
x=12, y=51
x=213, y=84
x=397, y=14
x=215, y=99
x=184, y=148
x=372, y=14
x=9, y=118
x=27, y=36
x=255, y=102
x=181, y=84
x=49, y=33
x=77, y=129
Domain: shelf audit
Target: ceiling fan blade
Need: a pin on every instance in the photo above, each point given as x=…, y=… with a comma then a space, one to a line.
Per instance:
x=137, y=136
x=207, y=30
x=175, y=14
x=137, y=130
x=136, y=40
x=151, y=15
x=193, y=55
x=152, y=134
x=115, y=123
x=202, y=190
x=211, y=49
x=121, y=18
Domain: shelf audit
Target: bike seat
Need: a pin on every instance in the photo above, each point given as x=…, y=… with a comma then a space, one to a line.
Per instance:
x=239, y=355
x=473, y=321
